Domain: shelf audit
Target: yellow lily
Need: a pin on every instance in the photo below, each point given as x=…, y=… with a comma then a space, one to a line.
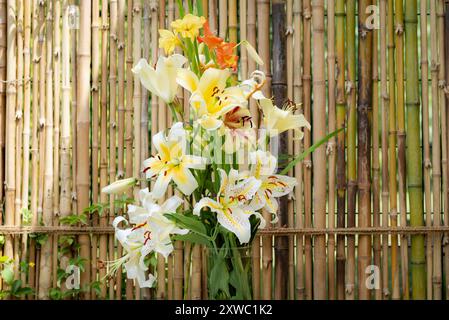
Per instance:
x=278, y=120
x=189, y=26
x=162, y=80
x=232, y=213
x=210, y=98
x=172, y=162
x=168, y=41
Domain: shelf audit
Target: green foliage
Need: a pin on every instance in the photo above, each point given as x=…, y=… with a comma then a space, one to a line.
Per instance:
x=40, y=238
x=74, y=219
x=15, y=287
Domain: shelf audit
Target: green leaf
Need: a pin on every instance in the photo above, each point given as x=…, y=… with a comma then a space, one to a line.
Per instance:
x=193, y=238
x=24, y=291
x=190, y=222
x=8, y=274
x=303, y=155
x=219, y=276
x=15, y=286
x=55, y=294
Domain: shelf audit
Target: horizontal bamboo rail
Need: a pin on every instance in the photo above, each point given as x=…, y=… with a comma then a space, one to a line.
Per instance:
x=73, y=119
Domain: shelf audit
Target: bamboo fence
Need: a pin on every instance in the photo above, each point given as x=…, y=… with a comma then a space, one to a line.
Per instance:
x=369, y=218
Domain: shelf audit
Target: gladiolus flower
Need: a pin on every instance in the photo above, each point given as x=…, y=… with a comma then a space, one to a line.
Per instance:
x=226, y=57
x=209, y=38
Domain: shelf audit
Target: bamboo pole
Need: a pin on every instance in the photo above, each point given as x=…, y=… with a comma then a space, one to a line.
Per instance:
x=34, y=137
x=393, y=212
x=436, y=150
x=232, y=25
x=307, y=13
x=384, y=111
x=95, y=27
x=319, y=158
x=352, y=164
x=74, y=104
x=83, y=124
x=426, y=143
x=222, y=18
x=298, y=172
x=112, y=133
x=243, y=28
x=414, y=168
x=401, y=139
x=341, y=160
x=10, y=138
x=291, y=218
x=145, y=95
x=376, y=163
x=364, y=107
x=26, y=122
x=121, y=88
x=445, y=139
x=263, y=17
x=279, y=88
x=66, y=178
x=103, y=139
x=331, y=144
x=3, y=48
x=128, y=137
x=212, y=10
x=137, y=27
x=438, y=275
x=56, y=130
x=45, y=267
x=19, y=126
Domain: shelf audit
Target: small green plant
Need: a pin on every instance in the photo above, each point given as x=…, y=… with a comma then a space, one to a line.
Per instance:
x=15, y=286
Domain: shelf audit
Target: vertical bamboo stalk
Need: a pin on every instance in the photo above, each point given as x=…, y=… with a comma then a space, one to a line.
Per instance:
x=263, y=18
x=18, y=128
x=145, y=96
x=128, y=138
x=196, y=273
x=56, y=130
x=376, y=163
x=384, y=112
x=414, y=167
x=341, y=159
x=112, y=130
x=34, y=136
x=399, y=30
x=319, y=155
x=83, y=126
x=10, y=138
x=436, y=149
x=307, y=13
x=232, y=26
x=445, y=139
x=438, y=276
x=103, y=138
x=291, y=218
x=331, y=144
x=298, y=97
x=45, y=267
x=352, y=164
x=3, y=48
x=222, y=18
x=66, y=178
x=121, y=88
x=393, y=213
x=251, y=36
x=95, y=126
x=74, y=106
x=212, y=8
x=426, y=138
x=279, y=88
x=26, y=120
x=137, y=28
x=364, y=107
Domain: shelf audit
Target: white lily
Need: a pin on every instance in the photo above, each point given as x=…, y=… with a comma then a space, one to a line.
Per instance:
x=230, y=207
x=172, y=162
x=162, y=80
x=272, y=185
x=210, y=98
x=252, y=86
x=237, y=130
x=278, y=120
x=119, y=186
x=132, y=242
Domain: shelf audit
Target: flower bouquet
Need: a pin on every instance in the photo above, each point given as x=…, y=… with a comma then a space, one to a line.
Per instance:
x=222, y=168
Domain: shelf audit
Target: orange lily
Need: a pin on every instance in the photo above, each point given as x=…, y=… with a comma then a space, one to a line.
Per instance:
x=209, y=37
x=226, y=57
